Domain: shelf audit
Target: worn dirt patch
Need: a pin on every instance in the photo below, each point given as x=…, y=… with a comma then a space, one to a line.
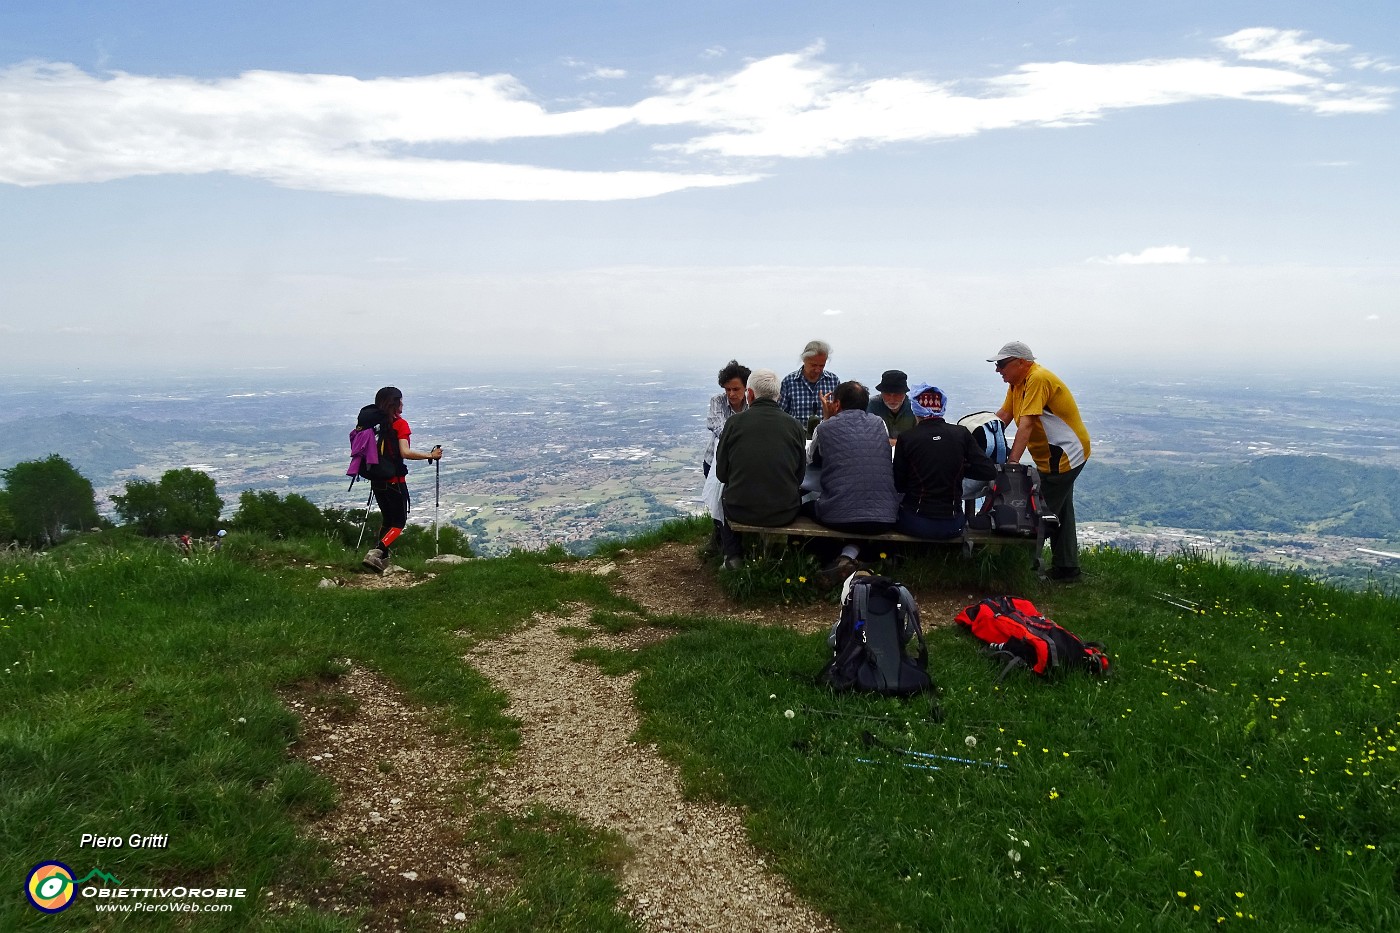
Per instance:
x=396, y=836
x=672, y=579
x=392, y=578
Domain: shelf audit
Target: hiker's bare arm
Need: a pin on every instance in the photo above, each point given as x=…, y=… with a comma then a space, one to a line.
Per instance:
x=1024, y=424
x=1004, y=416
x=411, y=454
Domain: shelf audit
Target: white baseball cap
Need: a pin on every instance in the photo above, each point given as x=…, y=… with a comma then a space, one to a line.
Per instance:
x=1013, y=350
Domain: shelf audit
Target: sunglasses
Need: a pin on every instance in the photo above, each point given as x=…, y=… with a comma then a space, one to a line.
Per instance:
x=1002, y=364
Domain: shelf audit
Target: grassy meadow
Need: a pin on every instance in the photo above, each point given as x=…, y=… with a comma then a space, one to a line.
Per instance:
x=1240, y=767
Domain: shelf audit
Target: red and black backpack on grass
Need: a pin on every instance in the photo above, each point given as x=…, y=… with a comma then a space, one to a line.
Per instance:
x=1013, y=629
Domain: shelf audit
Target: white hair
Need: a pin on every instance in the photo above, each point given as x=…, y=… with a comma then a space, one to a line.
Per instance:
x=815, y=348
x=765, y=384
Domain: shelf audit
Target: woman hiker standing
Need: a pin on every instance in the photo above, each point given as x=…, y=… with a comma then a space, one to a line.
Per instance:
x=386, y=415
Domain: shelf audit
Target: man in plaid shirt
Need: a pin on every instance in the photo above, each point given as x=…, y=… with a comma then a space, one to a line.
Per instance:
x=803, y=389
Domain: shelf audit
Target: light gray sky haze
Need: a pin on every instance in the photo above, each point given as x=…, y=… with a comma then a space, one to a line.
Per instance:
x=220, y=185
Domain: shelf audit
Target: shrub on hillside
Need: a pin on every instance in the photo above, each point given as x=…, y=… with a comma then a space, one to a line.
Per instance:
x=418, y=541
x=7, y=521
x=265, y=511
x=183, y=500
x=45, y=498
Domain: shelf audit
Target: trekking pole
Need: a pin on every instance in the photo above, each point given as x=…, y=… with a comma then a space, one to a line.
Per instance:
x=361, y=540
x=869, y=740
x=437, y=495
x=907, y=764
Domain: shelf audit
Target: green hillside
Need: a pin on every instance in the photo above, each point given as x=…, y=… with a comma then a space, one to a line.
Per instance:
x=1281, y=493
x=1240, y=767
x=100, y=447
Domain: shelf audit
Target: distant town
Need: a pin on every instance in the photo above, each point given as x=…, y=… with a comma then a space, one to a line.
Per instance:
x=572, y=462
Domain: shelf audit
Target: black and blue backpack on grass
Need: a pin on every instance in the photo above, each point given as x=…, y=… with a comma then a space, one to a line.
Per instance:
x=877, y=644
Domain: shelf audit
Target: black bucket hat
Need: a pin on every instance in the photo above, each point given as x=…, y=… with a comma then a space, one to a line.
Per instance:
x=893, y=381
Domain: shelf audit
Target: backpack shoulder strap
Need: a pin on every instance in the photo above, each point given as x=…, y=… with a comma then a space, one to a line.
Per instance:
x=995, y=446
x=908, y=612
x=860, y=592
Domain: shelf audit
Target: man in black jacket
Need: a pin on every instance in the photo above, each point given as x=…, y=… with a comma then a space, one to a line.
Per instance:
x=761, y=460
x=930, y=462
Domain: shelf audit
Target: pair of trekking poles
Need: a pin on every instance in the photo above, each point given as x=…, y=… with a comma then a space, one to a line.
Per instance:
x=437, y=498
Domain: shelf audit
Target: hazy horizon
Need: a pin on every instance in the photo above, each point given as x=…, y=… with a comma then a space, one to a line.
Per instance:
x=215, y=186
x=868, y=370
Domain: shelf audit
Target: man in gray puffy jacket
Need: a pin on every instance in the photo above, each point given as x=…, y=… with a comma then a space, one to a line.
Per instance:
x=852, y=448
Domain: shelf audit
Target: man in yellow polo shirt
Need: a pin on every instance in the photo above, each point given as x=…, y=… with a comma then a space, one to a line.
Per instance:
x=1048, y=423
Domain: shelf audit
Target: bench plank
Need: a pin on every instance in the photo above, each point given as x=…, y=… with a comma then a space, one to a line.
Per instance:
x=806, y=527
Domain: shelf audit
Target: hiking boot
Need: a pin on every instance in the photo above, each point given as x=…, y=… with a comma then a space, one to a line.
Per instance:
x=374, y=560
x=842, y=567
x=1065, y=574
x=733, y=563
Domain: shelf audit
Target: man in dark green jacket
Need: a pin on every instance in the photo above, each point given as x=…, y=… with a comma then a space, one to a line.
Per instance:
x=761, y=459
x=893, y=403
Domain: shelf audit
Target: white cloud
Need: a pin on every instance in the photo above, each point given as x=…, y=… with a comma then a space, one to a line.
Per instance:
x=320, y=132
x=1152, y=256
x=1362, y=62
x=595, y=72
x=1284, y=46
x=60, y=124
x=794, y=106
x=831, y=312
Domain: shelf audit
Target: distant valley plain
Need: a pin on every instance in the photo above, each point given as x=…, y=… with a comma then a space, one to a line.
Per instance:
x=1265, y=468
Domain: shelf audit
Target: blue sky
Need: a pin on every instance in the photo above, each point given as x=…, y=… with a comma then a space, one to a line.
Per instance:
x=208, y=186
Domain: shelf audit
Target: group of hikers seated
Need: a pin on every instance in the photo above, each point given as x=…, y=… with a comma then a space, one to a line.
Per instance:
x=811, y=445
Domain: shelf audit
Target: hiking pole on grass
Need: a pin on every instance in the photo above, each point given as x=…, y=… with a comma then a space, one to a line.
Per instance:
x=907, y=764
x=361, y=540
x=869, y=740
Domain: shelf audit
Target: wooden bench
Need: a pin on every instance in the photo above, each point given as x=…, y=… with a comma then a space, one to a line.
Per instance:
x=804, y=527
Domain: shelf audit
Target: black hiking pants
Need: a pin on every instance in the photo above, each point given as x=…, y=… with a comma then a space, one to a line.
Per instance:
x=393, y=509
x=1058, y=490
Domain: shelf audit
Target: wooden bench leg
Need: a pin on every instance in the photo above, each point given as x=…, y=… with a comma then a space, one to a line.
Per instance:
x=769, y=542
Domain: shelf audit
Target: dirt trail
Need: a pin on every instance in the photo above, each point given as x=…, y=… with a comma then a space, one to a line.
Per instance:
x=692, y=866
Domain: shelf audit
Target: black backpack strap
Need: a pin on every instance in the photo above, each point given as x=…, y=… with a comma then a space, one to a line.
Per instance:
x=908, y=611
x=1015, y=661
